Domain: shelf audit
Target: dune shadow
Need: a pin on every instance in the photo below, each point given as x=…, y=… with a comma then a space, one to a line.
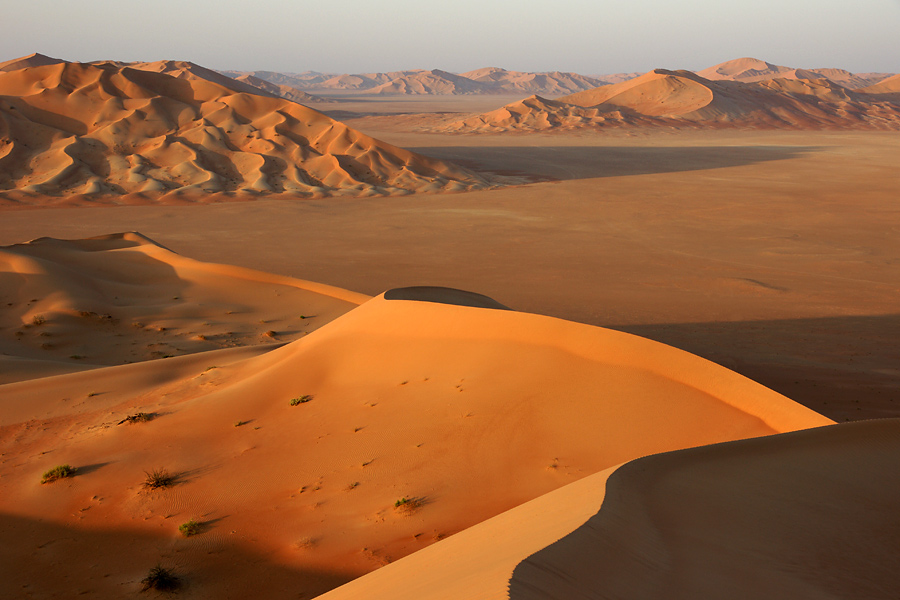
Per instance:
x=52, y=560
x=846, y=368
x=88, y=469
x=443, y=295
x=588, y=162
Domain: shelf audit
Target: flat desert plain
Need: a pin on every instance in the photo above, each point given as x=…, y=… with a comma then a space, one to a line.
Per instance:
x=276, y=396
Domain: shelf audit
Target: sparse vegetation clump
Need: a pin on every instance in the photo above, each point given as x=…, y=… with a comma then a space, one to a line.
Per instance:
x=38, y=320
x=301, y=400
x=190, y=528
x=58, y=472
x=408, y=505
x=140, y=417
x=161, y=579
x=158, y=478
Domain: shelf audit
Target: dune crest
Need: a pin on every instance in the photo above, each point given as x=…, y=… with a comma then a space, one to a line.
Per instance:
x=93, y=130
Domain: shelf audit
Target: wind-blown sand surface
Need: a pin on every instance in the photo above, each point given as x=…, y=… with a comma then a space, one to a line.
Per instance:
x=465, y=411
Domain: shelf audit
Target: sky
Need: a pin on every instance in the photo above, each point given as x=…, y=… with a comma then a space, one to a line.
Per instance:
x=355, y=36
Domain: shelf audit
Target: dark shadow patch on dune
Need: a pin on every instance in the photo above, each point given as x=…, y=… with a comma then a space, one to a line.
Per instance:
x=714, y=521
x=52, y=560
x=443, y=295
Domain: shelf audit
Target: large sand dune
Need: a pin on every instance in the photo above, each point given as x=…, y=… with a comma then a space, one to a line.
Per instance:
x=682, y=99
x=85, y=131
x=440, y=397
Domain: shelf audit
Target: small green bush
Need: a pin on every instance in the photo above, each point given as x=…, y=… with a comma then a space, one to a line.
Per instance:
x=190, y=528
x=301, y=400
x=58, y=472
x=161, y=579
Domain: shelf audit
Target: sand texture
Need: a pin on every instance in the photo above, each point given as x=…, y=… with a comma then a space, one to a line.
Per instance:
x=79, y=132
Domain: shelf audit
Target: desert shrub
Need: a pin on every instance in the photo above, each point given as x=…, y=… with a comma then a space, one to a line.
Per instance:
x=38, y=319
x=408, y=505
x=140, y=417
x=158, y=478
x=190, y=528
x=301, y=400
x=58, y=472
x=161, y=579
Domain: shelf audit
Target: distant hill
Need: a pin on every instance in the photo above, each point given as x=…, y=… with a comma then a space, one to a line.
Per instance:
x=685, y=99
x=752, y=70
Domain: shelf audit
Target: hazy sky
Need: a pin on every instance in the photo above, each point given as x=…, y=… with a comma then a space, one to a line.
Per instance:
x=585, y=36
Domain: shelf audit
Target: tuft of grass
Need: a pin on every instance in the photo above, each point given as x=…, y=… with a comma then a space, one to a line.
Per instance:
x=301, y=400
x=140, y=417
x=158, y=479
x=190, y=528
x=58, y=472
x=161, y=579
x=239, y=423
x=38, y=320
x=408, y=505
x=271, y=333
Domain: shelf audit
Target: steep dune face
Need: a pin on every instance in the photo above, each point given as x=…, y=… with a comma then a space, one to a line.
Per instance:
x=94, y=129
x=463, y=411
x=70, y=305
x=800, y=515
x=684, y=99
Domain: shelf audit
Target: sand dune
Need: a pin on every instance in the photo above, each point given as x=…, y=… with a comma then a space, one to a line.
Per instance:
x=64, y=312
x=754, y=70
x=91, y=130
x=663, y=98
x=26, y=62
x=432, y=82
x=448, y=400
x=549, y=84
x=797, y=515
x=889, y=85
x=282, y=91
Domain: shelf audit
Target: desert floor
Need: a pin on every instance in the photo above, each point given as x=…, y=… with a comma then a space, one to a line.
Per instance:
x=772, y=253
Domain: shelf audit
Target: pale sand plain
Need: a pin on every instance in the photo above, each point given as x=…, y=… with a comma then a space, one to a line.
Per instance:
x=771, y=253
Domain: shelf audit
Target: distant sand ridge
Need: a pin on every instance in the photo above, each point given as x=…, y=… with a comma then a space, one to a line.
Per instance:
x=72, y=129
x=414, y=416
x=663, y=98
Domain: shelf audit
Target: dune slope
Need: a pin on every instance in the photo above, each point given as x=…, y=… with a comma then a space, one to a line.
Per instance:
x=390, y=427
x=66, y=305
x=799, y=515
x=90, y=130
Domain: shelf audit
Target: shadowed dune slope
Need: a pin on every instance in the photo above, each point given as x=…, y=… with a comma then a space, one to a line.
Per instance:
x=805, y=514
x=69, y=304
x=304, y=453
x=93, y=129
x=664, y=98
x=283, y=91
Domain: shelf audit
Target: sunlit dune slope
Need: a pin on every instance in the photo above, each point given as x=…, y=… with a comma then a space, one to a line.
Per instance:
x=891, y=85
x=799, y=515
x=283, y=91
x=32, y=60
x=66, y=305
x=106, y=129
x=683, y=99
x=392, y=426
x=751, y=70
